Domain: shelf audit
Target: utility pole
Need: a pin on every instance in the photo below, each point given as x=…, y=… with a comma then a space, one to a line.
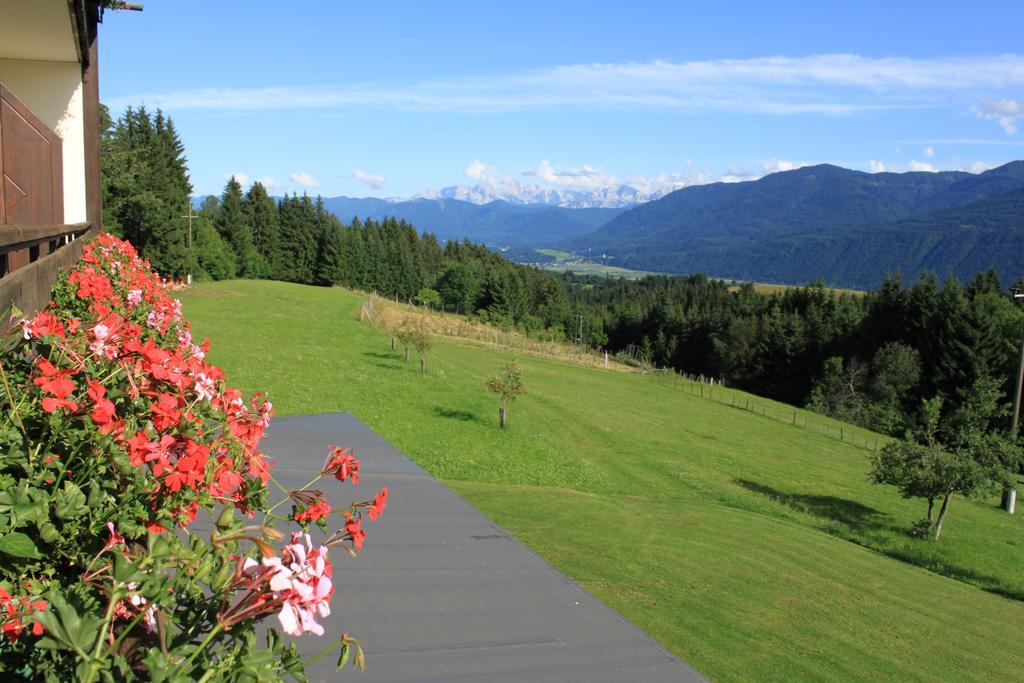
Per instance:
x=1010, y=494
x=190, y=216
x=579, y=329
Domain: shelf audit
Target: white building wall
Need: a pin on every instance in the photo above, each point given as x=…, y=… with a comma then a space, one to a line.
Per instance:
x=53, y=91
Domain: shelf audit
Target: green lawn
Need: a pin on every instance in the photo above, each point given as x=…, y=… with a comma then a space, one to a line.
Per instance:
x=753, y=549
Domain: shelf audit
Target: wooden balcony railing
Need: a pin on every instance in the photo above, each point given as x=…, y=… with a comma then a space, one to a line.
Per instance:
x=31, y=257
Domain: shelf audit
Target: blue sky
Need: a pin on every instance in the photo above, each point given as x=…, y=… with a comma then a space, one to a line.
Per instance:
x=390, y=99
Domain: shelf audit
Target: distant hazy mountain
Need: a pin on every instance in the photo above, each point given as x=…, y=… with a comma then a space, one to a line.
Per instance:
x=497, y=223
x=845, y=227
x=606, y=198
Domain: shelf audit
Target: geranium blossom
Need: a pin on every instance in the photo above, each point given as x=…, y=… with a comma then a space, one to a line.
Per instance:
x=380, y=501
x=342, y=464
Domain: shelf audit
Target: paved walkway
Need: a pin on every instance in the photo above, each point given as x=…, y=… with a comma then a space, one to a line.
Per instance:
x=440, y=593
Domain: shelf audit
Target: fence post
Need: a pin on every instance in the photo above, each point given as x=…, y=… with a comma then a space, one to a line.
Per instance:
x=794, y=417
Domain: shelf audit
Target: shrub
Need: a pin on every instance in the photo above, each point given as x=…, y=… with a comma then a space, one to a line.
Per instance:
x=116, y=434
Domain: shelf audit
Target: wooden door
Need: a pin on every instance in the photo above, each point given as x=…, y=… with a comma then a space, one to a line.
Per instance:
x=31, y=166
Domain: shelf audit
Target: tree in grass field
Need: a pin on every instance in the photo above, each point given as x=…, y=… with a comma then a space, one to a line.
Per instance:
x=428, y=297
x=423, y=343
x=405, y=333
x=955, y=454
x=507, y=385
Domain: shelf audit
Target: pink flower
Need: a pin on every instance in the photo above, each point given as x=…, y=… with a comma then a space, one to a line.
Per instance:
x=302, y=577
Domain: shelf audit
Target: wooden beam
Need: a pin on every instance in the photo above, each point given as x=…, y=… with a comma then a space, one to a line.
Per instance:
x=29, y=287
x=91, y=122
x=13, y=236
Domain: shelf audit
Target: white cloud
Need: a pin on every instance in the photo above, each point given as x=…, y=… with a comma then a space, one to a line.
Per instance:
x=825, y=84
x=876, y=166
x=585, y=177
x=974, y=166
x=775, y=165
x=1006, y=112
x=921, y=166
x=928, y=152
x=242, y=178
x=373, y=180
x=491, y=178
x=305, y=180
x=273, y=186
x=663, y=183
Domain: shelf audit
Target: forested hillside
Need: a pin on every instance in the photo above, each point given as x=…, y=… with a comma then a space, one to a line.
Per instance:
x=844, y=227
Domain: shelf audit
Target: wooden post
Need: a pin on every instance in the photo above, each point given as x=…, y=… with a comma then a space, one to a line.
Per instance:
x=794, y=417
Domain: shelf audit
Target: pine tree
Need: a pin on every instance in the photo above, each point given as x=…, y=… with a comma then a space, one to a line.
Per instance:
x=234, y=230
x=261, y=215
x=145, y=187
x=297, y=246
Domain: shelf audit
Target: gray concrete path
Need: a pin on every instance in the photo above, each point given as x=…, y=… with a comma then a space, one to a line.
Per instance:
x=440, y=593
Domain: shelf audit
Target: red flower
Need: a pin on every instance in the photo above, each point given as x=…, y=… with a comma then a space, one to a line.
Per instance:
x=190, y=469
x=380, y=501
x=60, y=387
x=353, y=527
x=103, y=412
x=44, y=323
x=16, y=609
x=317, y=510
x=165, y=412
x=342, y=464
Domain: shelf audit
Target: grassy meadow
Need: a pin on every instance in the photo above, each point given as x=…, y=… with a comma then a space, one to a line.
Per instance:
x=752, y=548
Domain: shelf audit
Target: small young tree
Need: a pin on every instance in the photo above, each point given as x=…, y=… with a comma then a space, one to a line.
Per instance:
x=405, y=333
x=422, y=341
x=428, y=297
x=507, y=385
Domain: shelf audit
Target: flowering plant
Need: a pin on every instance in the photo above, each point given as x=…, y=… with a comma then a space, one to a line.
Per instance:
x=116, y=434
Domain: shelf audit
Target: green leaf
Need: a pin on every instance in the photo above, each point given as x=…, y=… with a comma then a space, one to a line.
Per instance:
x=70, y=502
x=19, y=545
x=125, y=571
x=47, y=531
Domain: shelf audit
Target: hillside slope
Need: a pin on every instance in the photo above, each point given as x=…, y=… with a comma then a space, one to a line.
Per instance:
x=808, y=224
x=736, y=540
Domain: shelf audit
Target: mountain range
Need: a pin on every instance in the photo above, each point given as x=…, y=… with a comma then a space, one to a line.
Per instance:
x=847, y=228
x=497, y=223
x=619, y=196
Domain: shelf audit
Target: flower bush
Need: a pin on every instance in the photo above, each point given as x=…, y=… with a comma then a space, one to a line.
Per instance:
x=116, y=435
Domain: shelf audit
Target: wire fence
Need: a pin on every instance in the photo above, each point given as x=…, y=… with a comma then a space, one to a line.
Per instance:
x=714, y=389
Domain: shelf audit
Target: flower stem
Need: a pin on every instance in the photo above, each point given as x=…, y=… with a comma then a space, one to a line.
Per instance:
x=209, y=638
x=14, y=408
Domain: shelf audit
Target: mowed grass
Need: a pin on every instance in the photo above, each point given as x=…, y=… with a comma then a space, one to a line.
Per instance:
x=744, y=544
